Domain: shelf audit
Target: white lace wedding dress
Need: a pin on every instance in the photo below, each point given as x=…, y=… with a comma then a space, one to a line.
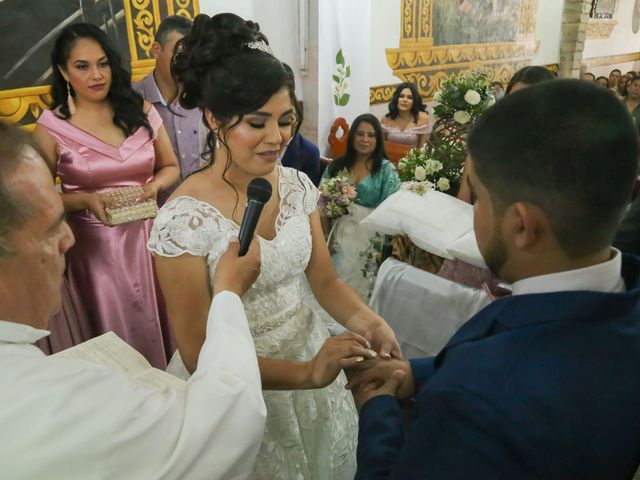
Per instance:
x=310, y=434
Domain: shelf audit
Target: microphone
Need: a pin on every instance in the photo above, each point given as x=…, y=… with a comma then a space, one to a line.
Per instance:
x=258, y=193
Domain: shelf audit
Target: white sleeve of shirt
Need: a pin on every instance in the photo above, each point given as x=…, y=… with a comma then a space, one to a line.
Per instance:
x=66, y=419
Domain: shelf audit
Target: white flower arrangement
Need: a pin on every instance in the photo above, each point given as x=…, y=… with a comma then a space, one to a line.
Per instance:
x=463, y=98
x=472, y=97
x=462, y=117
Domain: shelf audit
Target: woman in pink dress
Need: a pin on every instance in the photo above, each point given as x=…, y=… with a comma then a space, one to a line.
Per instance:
x=100, y=136
x=407, y=122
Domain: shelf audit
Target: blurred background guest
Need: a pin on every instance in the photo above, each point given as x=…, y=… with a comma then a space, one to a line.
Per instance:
x=407, y=121
x=632, y=100
x=614, y=76
x=303, y=155
x=498, y=90
x=184, y=126
x=100, y=135
x=588, y=76
x=375, y=179
x=300, y=153
x=603, y=81
x=528, y=76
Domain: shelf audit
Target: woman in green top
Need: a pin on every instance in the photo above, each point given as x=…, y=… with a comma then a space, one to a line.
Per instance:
x=375, y=178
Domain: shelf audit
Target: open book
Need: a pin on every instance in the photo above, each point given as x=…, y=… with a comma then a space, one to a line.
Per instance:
x=436, y=222
x=112, y=352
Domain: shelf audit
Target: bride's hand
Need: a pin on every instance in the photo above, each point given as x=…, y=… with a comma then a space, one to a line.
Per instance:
x=338, y=352
x=377, y=332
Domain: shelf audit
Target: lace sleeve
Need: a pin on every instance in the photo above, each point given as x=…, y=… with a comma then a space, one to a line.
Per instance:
x=188, y=226
x=300, y=190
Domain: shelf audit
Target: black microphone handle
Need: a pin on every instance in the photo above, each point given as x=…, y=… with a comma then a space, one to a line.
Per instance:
x=249, y=223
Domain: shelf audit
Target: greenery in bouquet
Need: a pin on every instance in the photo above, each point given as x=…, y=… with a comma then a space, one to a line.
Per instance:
x=336, y=194
x=432, y=167
x=463, y=98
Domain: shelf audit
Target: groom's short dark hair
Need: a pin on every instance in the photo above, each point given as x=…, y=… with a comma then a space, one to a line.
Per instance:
x=569, y=147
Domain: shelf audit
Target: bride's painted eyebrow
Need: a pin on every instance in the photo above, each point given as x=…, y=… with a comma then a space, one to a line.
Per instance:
x=267, y=115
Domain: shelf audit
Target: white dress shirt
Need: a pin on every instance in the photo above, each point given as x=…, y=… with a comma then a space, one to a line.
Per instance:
x=70, y=419
x=602, y=277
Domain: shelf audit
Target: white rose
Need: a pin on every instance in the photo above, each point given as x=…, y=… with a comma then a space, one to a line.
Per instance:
x=345, y=85
x=462, y=117
x=420, y=173
x=472, y=97
x=491, y=101
x=443, y=184
x=437, y=96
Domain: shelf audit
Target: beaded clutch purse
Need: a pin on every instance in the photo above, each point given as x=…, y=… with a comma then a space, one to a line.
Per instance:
x=127, y=209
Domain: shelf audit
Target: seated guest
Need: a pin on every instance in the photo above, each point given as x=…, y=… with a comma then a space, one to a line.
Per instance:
x=184, y=126
x=603, y=81
x=303, y=155
x=621, y=88
x=588, y=76
x=375, y=179
x=544, y=383
x=632, y=100
x=68, y=418
x=614, y=76
x=407, y=121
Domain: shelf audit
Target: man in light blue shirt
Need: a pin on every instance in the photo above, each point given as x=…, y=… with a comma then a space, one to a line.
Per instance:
x=185, y=128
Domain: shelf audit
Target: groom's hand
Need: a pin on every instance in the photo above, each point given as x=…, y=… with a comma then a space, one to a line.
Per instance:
x=372, y=390
x=378, y=371
x=234, y=273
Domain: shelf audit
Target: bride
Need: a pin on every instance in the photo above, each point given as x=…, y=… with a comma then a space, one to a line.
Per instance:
x=227, y=69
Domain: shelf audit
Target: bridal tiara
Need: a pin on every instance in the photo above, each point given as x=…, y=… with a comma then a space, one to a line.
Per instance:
x=260, y=45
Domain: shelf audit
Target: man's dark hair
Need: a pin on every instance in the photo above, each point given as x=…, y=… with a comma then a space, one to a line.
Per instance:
x=568, y=147
x=173, y=23
x=13, y=209
x=615, y=70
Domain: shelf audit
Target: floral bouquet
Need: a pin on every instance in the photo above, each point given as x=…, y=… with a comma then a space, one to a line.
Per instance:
x=463, y=98
x=430, y=167
x=336, y=195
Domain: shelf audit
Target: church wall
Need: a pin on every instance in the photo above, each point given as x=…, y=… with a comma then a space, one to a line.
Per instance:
x=621, y=49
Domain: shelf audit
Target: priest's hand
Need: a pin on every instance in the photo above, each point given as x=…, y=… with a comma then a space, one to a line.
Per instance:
x=234, y=273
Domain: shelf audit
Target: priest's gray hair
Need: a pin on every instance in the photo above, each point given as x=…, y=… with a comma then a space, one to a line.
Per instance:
x=14, y=208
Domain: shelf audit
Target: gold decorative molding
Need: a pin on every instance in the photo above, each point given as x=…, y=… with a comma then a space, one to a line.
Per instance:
x=142, y=18
x=384, y=93
x=419, y=61
x=611, y=60
x=600, y=29
x=24, y=105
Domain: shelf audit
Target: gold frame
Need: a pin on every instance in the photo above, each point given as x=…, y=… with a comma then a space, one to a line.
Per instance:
x=142, y=18
x=417, y=60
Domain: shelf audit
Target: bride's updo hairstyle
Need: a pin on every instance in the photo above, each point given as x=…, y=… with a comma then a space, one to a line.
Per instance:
x=226, y=66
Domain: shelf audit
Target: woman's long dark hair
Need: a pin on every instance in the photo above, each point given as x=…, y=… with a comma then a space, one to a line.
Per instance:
x=530, y=75
x=349, y=159
x=417, y=106
x=127, y=104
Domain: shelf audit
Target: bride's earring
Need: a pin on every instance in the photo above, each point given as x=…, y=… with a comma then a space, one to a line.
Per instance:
x=70, y=103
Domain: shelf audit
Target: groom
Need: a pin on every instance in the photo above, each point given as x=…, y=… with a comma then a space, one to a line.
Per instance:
x=544, y=383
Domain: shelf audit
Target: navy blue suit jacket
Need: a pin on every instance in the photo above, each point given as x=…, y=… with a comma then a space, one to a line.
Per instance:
x=543, y=386
x=303, y=155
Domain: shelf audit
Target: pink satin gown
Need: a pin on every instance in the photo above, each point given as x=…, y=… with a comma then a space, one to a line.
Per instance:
x=110, y=280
